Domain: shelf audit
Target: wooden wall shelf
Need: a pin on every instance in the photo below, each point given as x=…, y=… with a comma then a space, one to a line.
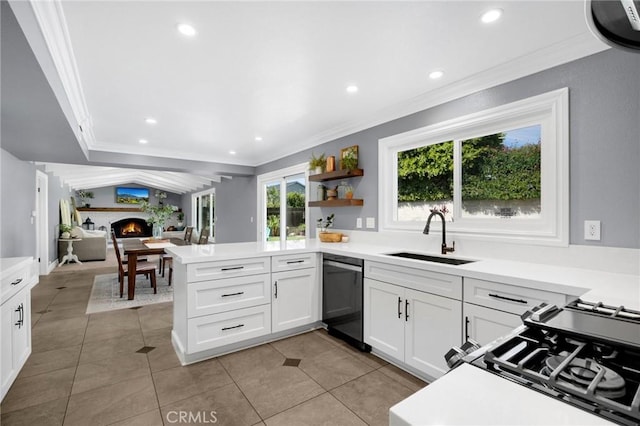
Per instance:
x=338, y=174
x=109, y=209
x=340, y=202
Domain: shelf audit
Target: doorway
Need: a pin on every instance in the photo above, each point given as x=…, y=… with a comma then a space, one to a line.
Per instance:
x=42, y=222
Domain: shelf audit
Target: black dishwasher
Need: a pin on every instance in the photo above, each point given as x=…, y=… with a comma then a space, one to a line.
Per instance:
x=342, y=295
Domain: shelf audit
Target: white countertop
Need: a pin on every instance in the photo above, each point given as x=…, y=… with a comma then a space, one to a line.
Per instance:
x=594, y=286
x=469, y=395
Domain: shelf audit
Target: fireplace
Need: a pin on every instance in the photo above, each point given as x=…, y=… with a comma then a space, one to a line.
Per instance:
x=131, y=228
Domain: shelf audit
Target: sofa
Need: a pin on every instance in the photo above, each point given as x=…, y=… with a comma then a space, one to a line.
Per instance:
x=92, y=245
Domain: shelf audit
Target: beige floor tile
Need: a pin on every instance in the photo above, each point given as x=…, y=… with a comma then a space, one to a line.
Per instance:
x=108, y=371
x=157, y=336
x=57, y=359
x=321, y=410
x=156, y=316
x=47, y=414
x=62, y=324
x=301, y=346
x=109, y=404
x=150, y=418
x=278, y=389
x=404, y=378
x=178, y=383
x=225, y=406
x=371, y=396
x=36, y=390
x=252, y=362
x=109, y=348
x=334, y=367
x=60, y=313
x=113, y=324
x=163, y=357
x=45, y=340
x=365, y=357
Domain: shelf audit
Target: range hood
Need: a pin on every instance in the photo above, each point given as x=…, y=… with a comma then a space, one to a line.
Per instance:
x=615, y=22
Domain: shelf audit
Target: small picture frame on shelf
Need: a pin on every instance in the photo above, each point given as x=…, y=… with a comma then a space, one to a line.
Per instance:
x=349, y=158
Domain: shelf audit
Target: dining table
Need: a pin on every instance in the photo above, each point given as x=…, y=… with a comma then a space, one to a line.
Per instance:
x=133, y=248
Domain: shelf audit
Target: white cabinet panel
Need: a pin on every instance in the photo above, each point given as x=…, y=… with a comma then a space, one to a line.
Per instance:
x=383, y=317
x=432, y=328
x=212, y=331
x=291, y=262
x=228, y=268
x=484, y=325
x=294, y=298
x=215, y=296
x=15, y=315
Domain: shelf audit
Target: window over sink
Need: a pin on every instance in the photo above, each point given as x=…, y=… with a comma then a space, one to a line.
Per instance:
x=498, y=174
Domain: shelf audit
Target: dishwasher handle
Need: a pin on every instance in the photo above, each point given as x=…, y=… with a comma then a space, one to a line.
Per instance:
x=342, y=265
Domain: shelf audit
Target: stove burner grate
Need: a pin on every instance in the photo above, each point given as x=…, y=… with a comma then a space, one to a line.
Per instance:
x=586, y=374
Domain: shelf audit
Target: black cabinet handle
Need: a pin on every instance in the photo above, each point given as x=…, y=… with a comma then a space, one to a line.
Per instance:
x=231, y=328
x=234, y=268
x=276, y=286
x=233, y=294
x=289, y=262
x=466, y=329
x=399, y=304
x=16, y=282
x=20, y=310
x=497, y=296
x=406, y=309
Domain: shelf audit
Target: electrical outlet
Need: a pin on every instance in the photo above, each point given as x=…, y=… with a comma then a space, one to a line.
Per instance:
x=592, y=230
x=359, y=222
x=371, y=222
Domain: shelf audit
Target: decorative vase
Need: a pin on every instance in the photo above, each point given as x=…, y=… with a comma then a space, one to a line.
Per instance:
x=157, y=230
x=65, y=235
x=318, y=170
x=348, y=195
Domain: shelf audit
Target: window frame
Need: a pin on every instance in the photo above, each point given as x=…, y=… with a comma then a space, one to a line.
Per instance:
x=551, y=111
x=211, y=192
x=281, y=176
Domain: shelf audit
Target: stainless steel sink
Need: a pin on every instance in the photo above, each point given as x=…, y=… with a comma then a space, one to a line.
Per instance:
x=427, y=258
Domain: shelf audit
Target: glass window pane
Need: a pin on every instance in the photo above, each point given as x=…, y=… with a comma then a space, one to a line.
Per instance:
x=501, y=174
x=295, y=220
x=425, y=181
x=273, y=211
x=212, y=204
x=205, y=212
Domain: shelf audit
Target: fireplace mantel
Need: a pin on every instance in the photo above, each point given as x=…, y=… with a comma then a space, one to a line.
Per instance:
x=109, y=209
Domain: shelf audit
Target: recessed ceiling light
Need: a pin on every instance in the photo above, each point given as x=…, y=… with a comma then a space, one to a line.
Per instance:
x=258, y=138
x=434, y=75
x=143, y=141
x=352, y=89
x=187, y=30
x=491, y=16
x=232, y=152
x=150, y=120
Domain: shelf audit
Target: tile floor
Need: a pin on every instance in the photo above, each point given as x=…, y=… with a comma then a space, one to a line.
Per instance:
x=119, y=368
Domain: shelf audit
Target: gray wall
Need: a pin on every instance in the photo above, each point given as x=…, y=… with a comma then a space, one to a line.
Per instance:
x=106, y=196
x=604, y=93
x=18, y=200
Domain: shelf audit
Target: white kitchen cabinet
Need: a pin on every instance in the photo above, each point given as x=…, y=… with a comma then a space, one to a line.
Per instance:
x=15, y=318
x=294, y=300
x=484, y=325
x=412, y=326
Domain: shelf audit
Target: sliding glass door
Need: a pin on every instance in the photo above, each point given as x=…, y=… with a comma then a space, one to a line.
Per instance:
x=203, y=208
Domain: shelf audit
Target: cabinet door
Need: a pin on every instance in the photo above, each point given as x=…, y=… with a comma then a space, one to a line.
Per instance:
x=384, y=317
x=484, y=325
x=433, y=325
x=7, y=371
x=21, y=331
x=294, y=299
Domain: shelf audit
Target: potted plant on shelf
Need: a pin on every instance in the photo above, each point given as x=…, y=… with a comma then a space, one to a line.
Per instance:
x=324, y=235
x=65, y=231
x=180, y=225
x=84, y=197
x=158, y=215
x=349, y=161
x=348, y=192
x=317, y=163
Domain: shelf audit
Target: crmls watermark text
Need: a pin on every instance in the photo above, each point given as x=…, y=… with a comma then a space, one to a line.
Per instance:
x=192, y=417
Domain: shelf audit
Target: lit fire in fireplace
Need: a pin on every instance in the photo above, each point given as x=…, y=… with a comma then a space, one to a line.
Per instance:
x=131, y=228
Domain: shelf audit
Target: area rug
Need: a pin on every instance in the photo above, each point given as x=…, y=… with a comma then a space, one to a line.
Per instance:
x=105, y=294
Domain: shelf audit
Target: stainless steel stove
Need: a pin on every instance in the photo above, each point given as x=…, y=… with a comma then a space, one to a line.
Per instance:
x=585, y=354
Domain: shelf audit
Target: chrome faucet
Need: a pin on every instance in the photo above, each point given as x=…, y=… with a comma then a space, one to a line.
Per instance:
x=444, y=247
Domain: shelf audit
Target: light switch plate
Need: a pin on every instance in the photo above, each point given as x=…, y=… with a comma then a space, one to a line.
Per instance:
x=592, y=230
x=359, y=222
x=371, y=222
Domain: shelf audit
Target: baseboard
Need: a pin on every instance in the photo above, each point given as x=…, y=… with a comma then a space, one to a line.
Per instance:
x=52, y=266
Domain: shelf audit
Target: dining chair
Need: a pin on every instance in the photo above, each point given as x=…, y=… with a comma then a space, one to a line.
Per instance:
x=142, y=268
x=204, y=236
x=167, y=261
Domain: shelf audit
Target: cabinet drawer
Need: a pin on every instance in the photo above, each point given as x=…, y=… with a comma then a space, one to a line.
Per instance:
x=217, y=330
x=15, y=281
x=291, y=262
x=228, y=268
x=215, y=296
x=417, y=279
x=506, y=297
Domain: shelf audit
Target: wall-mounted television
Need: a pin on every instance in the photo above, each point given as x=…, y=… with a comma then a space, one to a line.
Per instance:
x=126, y=195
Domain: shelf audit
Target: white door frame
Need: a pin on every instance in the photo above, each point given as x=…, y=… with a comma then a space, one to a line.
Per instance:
x=42, y=222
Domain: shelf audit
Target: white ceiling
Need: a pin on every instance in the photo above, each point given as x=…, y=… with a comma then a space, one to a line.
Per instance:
x=279, y=70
